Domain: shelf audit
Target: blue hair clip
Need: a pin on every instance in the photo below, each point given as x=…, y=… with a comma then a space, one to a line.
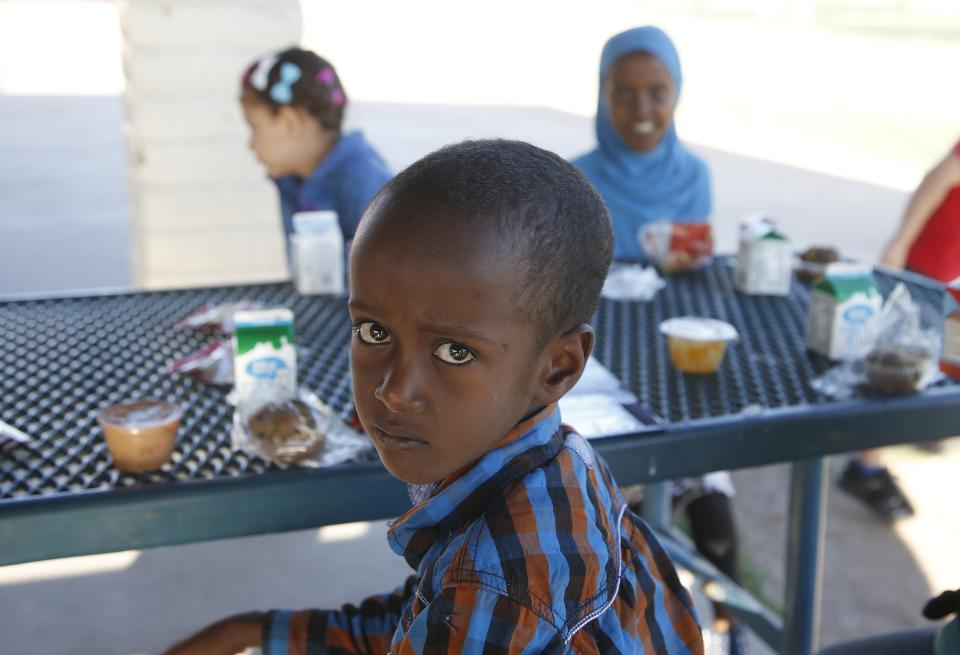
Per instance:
x=282, y=90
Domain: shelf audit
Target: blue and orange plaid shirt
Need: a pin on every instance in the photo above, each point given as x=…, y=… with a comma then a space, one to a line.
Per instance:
x=531, y=550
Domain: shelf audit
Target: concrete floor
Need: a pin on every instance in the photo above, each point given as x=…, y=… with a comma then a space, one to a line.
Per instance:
x=63, y=225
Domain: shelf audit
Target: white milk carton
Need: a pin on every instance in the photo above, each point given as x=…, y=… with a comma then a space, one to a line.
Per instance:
x=765, y=259
x=843, y=306
x=264, y=357
x=316, y=253
x=950, y=357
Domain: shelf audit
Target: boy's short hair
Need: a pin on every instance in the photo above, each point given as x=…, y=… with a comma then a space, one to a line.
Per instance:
x=557, y=221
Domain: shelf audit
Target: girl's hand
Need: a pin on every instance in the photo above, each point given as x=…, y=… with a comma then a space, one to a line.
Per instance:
x=228, y=636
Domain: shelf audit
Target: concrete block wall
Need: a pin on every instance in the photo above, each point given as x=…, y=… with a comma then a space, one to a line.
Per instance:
x=203, y=211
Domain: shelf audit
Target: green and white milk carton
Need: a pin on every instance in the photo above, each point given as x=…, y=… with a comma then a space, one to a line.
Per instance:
x=764, y=260
x=843, y=306
x=264, y=357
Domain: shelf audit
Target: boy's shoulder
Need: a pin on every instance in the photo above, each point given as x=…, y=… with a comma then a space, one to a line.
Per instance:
x=558, y=542
x=549, y=540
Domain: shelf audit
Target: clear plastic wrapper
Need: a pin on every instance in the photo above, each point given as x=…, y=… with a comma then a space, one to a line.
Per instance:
x=901, y=354
x=677, y=247
x=217, y=318
x=212, y=364
x=11, y=436
x=632, y=282
x=302, y=431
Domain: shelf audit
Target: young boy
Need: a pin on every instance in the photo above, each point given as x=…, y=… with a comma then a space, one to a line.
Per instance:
x=472, y=278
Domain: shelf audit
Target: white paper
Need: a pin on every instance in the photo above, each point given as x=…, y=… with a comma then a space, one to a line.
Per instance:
x=598, y=415
x=595, y=406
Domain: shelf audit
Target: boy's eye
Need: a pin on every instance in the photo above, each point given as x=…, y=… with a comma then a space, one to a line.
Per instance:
x=453, y=353
x=372, y=333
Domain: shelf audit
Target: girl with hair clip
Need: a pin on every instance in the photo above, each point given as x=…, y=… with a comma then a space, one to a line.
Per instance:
x=645, y=173
x=294, y=102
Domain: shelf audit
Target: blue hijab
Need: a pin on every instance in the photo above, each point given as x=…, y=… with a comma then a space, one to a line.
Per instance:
x=669, y=182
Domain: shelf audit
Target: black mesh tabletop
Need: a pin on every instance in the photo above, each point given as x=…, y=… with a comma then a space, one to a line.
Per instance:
x=768, y=367
x=61, y=359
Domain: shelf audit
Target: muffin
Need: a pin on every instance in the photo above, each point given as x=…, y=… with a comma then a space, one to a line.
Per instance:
x=813, y=262
x=286, y=432
x=896, y=369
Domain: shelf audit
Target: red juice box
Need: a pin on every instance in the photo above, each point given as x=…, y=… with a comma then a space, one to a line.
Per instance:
x=950, y=357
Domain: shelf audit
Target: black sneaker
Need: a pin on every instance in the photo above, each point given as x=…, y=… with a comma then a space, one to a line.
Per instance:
x=878, y=490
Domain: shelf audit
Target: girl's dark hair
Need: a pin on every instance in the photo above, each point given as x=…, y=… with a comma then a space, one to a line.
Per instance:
x=317, y=89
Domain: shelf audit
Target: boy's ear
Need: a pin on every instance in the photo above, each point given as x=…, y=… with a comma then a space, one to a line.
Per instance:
x=565, y=358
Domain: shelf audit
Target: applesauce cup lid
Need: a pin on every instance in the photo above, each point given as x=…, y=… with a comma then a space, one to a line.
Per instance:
x=696, y=328
x=140, y=413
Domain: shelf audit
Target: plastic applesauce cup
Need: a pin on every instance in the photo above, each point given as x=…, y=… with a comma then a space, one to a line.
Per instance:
x=140, y=434
x=697, y=345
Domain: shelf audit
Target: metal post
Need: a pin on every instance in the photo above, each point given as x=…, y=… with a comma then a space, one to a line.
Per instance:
x=656, y=506
x=805, y=535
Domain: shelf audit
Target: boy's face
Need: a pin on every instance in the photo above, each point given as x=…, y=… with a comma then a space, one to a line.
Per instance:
x=444, y=364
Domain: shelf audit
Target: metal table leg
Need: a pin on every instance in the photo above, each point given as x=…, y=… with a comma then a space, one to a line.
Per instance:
x=656, y=505
x=805, y=535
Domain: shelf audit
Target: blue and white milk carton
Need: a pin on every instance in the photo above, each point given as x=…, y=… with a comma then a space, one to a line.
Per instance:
x=765, y=259
x=316, y=253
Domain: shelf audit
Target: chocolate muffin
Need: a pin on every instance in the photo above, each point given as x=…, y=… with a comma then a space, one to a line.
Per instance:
x=813, y=262
x=287, y=432
x=896, y=369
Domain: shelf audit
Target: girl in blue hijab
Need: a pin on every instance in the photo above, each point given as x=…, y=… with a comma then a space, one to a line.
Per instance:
x=645, y=174
x=639, y=165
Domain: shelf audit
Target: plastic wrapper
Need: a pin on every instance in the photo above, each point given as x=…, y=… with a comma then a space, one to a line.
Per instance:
x=302, y=431
x=212, y=364
x=217, y=318
x=901, y=354
x=11, y=436
x=632, y=282
x=677, y=247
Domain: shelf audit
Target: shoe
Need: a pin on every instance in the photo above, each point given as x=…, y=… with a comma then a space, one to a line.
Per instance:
x=877, y=489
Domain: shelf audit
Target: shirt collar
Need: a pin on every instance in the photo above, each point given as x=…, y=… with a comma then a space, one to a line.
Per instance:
x=465, y=495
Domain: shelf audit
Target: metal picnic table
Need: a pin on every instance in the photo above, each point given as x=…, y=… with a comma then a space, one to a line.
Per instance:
x=63, y=358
